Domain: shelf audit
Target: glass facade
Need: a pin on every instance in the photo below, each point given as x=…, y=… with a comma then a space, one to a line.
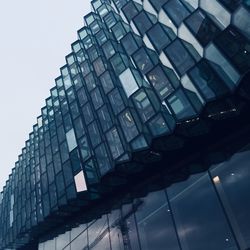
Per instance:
x=154, y=94
x=203, y=212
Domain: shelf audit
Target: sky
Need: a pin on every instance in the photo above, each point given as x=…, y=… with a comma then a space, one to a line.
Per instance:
x=35, y=37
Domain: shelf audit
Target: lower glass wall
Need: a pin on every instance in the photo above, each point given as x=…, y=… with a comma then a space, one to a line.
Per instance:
x=208, y=211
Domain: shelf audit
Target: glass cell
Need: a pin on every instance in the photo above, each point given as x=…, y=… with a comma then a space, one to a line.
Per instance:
x=143, y=105
x=158, y=126
x=110, y=20
x=119, y=30
x=81, y=94
x=79, y=129
x=91, y=172
x=202, y=27
x=128, y=125
x=130, y=10
x=60, y=184
x=101, y=37
x=115, y=143
x=241, y=20
x=158, y=35
x=116, y=101
x=87, y=113
x=85, y=68
x=108, y=49
x=176, y=11
x=102, y=159
x=157, y=77
x=96, y=98
x=99, y=66
x=179, y=56
x=142, y=60
x=64, y=150
x=105, y=119
x=94, y=134
x=90, y=81
x=67, y=172
x=118, y=64
x=129, y=43
x=207, y=81
x=142, y=22
x=71, y=139
x=180, y=105
x=84, y=148
x=106, y=82
x=199, y=217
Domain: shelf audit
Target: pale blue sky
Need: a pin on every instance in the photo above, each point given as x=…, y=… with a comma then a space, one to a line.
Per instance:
x=35, y=36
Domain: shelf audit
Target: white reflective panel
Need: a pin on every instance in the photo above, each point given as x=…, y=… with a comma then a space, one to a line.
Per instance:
x=80, y=182
x=12, y=201
x=148, y=7
x=164, y=18
x=11, y=217
x=128, y=81
x=71, y=139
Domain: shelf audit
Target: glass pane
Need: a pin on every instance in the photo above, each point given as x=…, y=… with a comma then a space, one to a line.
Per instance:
x=155, y=225
x=176, y=11
x=199, y=217
x=179, y=56
x=231, y=179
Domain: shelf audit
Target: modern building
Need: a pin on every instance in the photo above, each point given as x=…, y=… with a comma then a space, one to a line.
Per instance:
x=144, y=142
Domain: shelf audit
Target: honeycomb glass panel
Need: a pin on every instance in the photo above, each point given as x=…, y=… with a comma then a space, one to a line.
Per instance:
x=176, y=11
x=202, y=27
x=128, y=125
x=160, y=82
x=107, y=82
x=143, y=60
x=142, y=22
x=115, y=143
x=129, y=43
x=102, y=159
x=130, y=10
x=206, y=80
x=179, y=56
x=180, y=105
x=144, y=106
x=158, y=35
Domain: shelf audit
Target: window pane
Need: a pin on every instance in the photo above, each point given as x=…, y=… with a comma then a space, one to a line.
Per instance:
x=199, y=218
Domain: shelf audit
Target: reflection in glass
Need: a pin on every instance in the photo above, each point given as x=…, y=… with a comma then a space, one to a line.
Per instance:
x=199, y=217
